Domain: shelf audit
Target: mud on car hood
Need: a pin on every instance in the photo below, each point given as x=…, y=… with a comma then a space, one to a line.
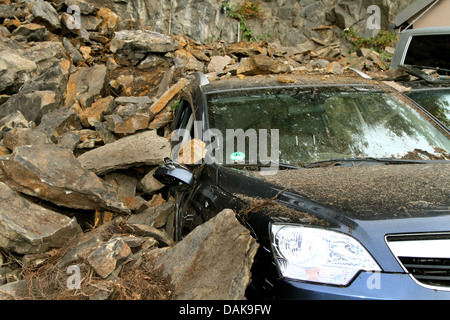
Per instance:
x=372, y=192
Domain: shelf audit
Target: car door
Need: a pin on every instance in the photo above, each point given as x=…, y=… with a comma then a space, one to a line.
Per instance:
x=204, y=200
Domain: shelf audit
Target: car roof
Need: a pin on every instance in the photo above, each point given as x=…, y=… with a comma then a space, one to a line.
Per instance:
x=285, y=80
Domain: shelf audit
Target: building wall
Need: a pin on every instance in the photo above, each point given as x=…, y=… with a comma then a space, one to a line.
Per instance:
x=438, y=16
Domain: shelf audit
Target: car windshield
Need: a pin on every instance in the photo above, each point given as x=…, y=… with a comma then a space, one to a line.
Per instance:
x=325, y=123
x=435, y=101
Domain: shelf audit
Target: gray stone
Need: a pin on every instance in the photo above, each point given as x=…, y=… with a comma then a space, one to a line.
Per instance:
x=149, y=184
x=107, y=258
x=25, y=136
x=43, y=12
x=13, y=120
x=145, y=148
x=83, y=6
x=213, y=262
x=14, y=71
x=134, y=100
x=154, y=216
x=261, y=64
x=28, y=228
x=68, y=140
x=46, y=55
x=104, y=133
x=60, y=121
x=85, y=85
x=14, y=290
x=32, y=104
x=142, y=41
x=52, y=173
x=39, y=96
x=129, y=125
x=125, y=185
x=144, y=230
x=30, y=32
x=73, y=52
x=218, y=63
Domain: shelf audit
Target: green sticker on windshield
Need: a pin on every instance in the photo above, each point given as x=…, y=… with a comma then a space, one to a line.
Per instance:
x=237, y=156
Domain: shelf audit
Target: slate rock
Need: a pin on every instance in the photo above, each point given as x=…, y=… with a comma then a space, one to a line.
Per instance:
x=43, y=12
x=14, y=71
x=212, y=262
x=106, y=259
x=142, y=41
x=13, y=120
x=43, y=94
x=30, y=32
x=96, y=112
x=146, y=148
x=26, y=227
x=155, y=216
x=60, y=121
x=46, y=54
x=25, y=136
x=86, y=85
x=149, y=184
x=52, y=173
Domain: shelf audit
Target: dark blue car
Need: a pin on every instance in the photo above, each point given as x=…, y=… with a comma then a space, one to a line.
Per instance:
x=343, y=182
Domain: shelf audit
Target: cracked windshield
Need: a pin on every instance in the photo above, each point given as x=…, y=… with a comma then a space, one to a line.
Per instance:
x=327, y=123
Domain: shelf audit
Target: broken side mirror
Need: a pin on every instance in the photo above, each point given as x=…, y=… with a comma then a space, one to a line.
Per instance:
x=173, y=174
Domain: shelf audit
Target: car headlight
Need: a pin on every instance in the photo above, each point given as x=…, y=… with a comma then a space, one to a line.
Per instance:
x=318, y=255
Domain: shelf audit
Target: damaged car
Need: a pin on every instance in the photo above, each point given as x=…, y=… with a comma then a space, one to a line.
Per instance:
x=423, y=53
x=342, y=181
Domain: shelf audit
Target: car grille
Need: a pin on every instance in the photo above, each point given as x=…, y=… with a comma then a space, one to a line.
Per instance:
x=433, y=272
x=425, y=257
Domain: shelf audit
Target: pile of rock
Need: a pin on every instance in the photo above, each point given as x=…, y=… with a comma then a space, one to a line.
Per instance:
x=84, y=120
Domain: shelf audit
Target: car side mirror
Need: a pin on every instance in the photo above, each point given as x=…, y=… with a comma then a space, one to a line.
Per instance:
x=173, y=174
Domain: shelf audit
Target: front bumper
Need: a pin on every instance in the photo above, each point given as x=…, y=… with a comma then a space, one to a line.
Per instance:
x=366, y=286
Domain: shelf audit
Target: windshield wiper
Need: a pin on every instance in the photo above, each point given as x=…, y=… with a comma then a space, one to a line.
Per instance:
x=368, y=160
x=265, y=165
x=416, y=71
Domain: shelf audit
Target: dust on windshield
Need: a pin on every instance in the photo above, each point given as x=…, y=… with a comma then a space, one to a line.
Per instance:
x=323, y=123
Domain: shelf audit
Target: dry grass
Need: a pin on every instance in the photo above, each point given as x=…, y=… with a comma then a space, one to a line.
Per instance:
x=132, y=281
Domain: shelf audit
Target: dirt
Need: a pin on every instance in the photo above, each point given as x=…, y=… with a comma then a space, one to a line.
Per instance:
x=369, y=191
x=274, y=209
x=296, y=79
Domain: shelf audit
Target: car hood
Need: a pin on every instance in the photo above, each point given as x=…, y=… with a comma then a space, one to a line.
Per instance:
x=372, y=192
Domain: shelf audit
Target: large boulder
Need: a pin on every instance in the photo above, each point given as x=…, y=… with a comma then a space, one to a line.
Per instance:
x=133, y=46
x=145, y=41
x=213, y=262
x=26, y=227
x=52, y=173
x=146, y=148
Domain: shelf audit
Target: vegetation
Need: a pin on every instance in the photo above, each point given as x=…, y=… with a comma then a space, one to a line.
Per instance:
x=378, y=44
x=247, y=10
